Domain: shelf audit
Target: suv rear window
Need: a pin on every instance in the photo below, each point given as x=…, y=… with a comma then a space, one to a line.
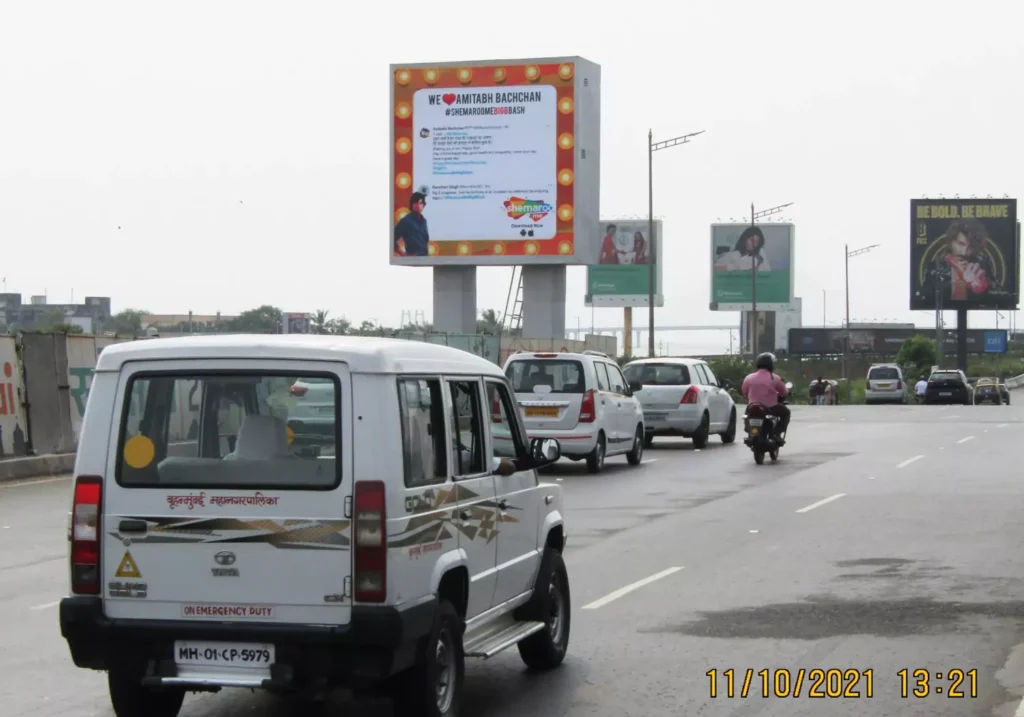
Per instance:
x=230, y=431
x=945, y=376
x=883, y=373
x=658, y=374
x=563, y=376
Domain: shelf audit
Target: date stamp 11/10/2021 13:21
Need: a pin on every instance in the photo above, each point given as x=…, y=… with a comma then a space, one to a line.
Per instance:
x=835, y=683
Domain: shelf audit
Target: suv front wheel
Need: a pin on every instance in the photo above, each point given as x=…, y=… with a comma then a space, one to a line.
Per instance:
x=546, y=649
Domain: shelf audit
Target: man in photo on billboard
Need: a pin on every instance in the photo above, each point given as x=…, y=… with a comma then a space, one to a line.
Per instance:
x=745, y=254
x=609, y=252
x=411, y=235
x=962, y=267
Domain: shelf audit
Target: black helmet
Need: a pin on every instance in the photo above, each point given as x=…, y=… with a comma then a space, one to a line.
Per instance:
x=766, y=361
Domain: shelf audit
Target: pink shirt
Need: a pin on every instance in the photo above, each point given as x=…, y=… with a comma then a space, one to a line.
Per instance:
x=763, y=387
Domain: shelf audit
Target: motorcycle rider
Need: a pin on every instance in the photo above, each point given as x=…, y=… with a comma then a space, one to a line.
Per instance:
x=763, y=386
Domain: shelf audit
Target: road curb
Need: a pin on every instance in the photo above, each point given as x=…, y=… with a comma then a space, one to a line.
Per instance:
x=13, y=469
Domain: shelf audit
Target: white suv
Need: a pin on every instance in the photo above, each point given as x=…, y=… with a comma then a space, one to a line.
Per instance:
x=581, y=399
x=683, y=397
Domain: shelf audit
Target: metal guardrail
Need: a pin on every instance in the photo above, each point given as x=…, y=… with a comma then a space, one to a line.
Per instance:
x=1015, y=382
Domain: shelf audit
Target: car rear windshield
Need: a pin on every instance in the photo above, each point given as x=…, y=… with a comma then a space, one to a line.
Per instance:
x=229, y=431
x=659, y=374
x=945, y=376
x=883, y=373
x=561, y=376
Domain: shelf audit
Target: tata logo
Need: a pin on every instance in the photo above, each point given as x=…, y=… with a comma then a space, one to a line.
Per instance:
x=224, y=559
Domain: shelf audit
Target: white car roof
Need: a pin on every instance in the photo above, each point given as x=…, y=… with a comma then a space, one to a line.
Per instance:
x=681, y=361
x=363, y=354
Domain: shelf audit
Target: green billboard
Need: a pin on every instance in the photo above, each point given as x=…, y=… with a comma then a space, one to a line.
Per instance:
x=736, y=251
x=622, y=278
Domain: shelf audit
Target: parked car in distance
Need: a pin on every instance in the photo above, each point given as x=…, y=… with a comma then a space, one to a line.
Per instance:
x=989, y=390
x=683, y=397
x=581, y=399
x=885, y=384
x=949, y=386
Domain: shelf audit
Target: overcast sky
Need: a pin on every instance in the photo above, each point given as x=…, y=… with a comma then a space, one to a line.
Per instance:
x=219, y=155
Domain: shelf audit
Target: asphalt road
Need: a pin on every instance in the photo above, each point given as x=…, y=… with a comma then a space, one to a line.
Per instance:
x=885, y=538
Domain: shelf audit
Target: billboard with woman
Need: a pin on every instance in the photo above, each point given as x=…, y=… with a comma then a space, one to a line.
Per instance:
x=740, y=250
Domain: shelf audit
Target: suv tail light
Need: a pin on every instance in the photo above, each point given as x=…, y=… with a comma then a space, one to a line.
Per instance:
x=297, y=390
x=587, y=407
x=370, y=543
x=690, y=396
x=85, y=535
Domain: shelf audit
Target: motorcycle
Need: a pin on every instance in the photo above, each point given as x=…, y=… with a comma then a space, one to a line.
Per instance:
x=760, y=427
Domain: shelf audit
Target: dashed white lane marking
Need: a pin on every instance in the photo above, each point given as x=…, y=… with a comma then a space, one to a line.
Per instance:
x=753, y=531
x=871, y=477
x=1020, y=710
x=955, y=415
x=907, y=462
x=1002, y=425
x=45, y=605
x=34, y=481
x=965, y=439
x=612, y=596
x=645, y=461
x=820, y=503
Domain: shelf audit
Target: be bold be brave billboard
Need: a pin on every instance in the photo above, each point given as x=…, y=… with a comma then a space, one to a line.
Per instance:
x=964, y=254
x=494, y=163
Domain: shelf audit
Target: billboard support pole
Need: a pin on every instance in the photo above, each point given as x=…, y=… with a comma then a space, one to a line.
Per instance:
x=961, y=339
x=752, y=323
x=653, y=147
x=627, y=331
x=938, y=327
x=846, y=333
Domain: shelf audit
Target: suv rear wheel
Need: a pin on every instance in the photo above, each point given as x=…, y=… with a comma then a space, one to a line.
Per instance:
x=433, y=686
x=130, y=698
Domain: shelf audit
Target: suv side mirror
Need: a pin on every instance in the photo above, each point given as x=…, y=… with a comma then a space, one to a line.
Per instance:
x=635, y=386
x=545, y=451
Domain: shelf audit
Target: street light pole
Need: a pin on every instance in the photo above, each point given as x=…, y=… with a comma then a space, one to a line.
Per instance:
x=752, y=323
x=846, y=333
x=653, y=147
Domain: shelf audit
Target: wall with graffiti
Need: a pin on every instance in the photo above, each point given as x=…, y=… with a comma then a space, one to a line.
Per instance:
x=13, y=436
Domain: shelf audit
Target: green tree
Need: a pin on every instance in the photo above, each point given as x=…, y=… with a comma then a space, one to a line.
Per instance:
x=264, y=319
x=339, y=327
x=319, y=322
x=128, y=321
x=916, y=357
x=64, y=329
x=489, y=322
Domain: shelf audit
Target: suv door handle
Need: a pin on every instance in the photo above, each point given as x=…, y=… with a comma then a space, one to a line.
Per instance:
x=465, y=515
x=132, y=526
x=503, y=504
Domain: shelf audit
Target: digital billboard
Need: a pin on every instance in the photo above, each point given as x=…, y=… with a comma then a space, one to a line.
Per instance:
x=736, y=250
x=964, y=254
x=494, y=162
x=622, y=275
x=887, y=342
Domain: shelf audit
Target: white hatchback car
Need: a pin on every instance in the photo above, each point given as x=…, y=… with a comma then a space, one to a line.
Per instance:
x=582, y=400
x=683, y=397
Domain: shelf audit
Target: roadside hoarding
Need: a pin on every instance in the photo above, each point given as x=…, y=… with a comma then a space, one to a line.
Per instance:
x=494, y=162
x=887, y=342
x=622, y=275
x=964, y=254
x=735, y=250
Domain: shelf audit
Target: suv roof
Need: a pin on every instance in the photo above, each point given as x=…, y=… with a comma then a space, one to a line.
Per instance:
x=364, y=354
x=667, y=359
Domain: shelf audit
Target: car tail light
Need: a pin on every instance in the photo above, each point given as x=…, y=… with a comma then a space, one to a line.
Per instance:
x=899, y=385
x=370, y=542
x=85, y=535
x=690, y=396
x=587, y=407
x=297, y=390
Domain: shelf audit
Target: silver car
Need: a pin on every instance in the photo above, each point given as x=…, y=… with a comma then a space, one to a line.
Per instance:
x=885, y=384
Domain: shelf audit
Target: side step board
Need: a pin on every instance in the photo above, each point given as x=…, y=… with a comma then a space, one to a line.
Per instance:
x=491, y=642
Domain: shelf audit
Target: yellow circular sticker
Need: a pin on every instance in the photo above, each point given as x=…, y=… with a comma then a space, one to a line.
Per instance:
x=289, y=434
x=139, y=452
